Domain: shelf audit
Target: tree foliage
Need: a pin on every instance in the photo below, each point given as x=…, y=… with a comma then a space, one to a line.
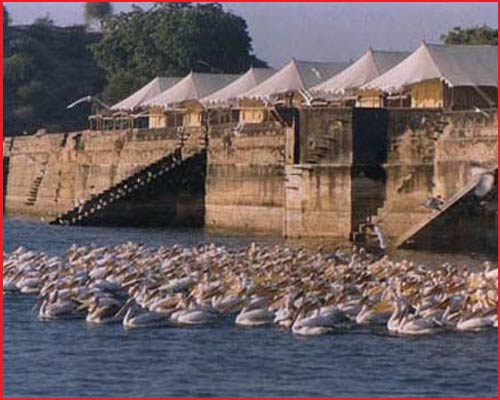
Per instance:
x=97, y=12
x=6, y=25
x=171, y=39
x=6, y=19
x=45, y=69
x=477, y=35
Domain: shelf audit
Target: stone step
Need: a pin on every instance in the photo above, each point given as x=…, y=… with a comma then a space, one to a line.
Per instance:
x=129, y=185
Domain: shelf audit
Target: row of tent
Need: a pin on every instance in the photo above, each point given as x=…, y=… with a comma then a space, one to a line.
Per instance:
x=386, y=71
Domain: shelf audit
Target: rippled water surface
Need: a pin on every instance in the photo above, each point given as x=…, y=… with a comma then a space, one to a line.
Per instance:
x=71, y=359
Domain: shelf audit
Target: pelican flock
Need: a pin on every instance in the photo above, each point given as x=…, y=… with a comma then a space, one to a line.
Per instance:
x=306, y=292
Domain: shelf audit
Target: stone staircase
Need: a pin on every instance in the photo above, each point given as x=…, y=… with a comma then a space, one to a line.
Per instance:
x=366, y=231
x=35, y=187
x=293, y=176
x=163, y=169
x=434, y=214
x=321, y=151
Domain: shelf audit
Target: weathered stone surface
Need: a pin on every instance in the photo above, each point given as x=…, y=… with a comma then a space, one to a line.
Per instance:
x=326, y=136
x=77, y=165
x=432, y=154
x=339, y=181
x=318, y=201
x=338, y=169
x=244, y=189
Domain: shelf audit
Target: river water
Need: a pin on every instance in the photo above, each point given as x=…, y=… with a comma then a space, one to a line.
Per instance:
x=72, y=359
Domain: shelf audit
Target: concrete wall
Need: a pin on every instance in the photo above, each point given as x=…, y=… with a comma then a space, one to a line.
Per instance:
x=381, y=165
x=320, y=177
x=431, y=154
x=318, y=201
x=339, y=180
x=177, y=198
x=77, y=165
x=318, y=187
x=244, y=188
x=326, y=136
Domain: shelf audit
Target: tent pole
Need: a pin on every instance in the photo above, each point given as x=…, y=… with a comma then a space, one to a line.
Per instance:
x=452, y=97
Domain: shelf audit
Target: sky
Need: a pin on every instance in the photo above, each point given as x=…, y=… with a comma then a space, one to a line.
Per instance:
x=315, y=31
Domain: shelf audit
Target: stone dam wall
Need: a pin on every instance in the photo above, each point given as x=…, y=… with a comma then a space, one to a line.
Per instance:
x=382, y=166
x=245, y=171
x=433, y=154
x=321, y=174
x=50, y=174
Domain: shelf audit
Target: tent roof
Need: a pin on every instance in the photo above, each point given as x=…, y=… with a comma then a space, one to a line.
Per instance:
x=295, y=76
x=370, y=65
x=195, y=86
x=147, y=92
x=245, y=82
x=457, y=65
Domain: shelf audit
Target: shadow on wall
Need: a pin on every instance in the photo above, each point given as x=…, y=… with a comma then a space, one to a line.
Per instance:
x=176, y=200
x=471, y=225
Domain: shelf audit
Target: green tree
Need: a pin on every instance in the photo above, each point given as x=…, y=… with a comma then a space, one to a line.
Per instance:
x=44, y=22
x=6, y=19
x=477, y=35
x=46, y=68
x=97, y=12
x=171, y=39
x=6, y=23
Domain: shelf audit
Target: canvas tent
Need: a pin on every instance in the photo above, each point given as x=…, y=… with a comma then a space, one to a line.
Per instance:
x=449, y=76
x=372, y=64
x=457, y=65
x=245, y=82
x=296, y=76
x=181, y=101
x=222, y=106
x=195, y=86
x=147, y=92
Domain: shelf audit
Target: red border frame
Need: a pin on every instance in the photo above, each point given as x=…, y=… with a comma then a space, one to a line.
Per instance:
x=121, y=1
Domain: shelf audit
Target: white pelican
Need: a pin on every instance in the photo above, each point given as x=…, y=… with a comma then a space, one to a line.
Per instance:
x=135, y=318
x=376, y=314
x=474, y=323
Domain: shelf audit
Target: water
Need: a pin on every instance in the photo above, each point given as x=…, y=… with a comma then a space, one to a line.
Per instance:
x=71, y=359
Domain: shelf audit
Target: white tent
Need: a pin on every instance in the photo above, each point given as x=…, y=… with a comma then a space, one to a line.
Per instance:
x=195, y=86
x=457, y=65
x=147, y=92
x=296, y=76
x=247, y=81
x=372, y=64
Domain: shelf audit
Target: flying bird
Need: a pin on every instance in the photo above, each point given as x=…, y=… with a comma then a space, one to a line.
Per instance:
x=88, y=99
